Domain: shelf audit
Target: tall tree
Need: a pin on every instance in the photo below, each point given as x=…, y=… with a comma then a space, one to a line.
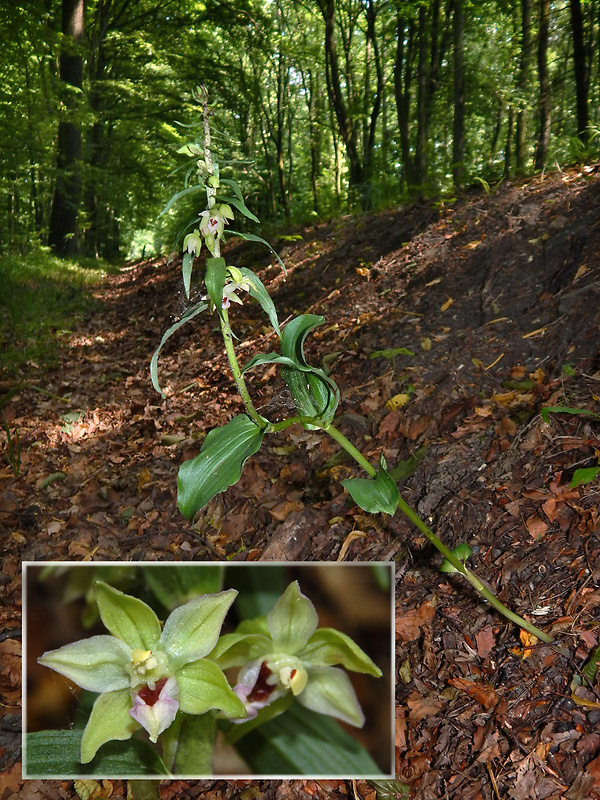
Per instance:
x=64, y=229
x=523, y=82
x=545, y=100
x=581, y=71
x=458, y=143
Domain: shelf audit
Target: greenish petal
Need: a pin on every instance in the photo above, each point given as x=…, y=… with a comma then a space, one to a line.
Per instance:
x=330, y=692
x=235, y=649
x=328, y=646
x=127, y=618
x=203, y=686
x=192, y=630
x=97, y=664
x=293, y=621
x=109, y=720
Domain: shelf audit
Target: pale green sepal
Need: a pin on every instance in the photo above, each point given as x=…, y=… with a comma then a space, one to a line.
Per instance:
x=203, y=686
x=328, y=646
x=127, y=618
x=192, y=630
x=96, y=664
x=292, y=621
x=109, y=720
x=254, y=625
x=236, y=649
x=330, y=692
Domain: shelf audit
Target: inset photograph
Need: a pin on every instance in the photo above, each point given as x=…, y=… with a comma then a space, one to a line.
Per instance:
x=266, y=670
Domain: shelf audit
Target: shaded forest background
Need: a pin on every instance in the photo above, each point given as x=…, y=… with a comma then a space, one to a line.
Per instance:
x=324, y=106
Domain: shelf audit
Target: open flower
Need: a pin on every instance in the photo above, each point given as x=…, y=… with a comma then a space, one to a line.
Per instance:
x=285, y=653
x=213, y=224
x=145, y=675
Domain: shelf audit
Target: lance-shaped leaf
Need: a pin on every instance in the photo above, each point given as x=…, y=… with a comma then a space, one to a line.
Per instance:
x=259, y=292
x=216, y=273
x=218, y=465
x=250, y=237
x=189, y=314
x=186, y=271
x=240, y=205
x=315, y=394
x=178, y=196
x=374, y=494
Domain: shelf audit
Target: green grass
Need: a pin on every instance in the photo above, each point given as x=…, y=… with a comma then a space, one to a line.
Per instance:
x=41, y=298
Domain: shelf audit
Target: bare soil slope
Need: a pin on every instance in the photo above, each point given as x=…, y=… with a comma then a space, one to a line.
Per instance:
x=498, y=298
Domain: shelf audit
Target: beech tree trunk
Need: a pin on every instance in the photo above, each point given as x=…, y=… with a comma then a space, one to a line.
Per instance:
x=64, y=230
x=545, y=105
x=523, y=87
x=580, y=66
x=458, y=141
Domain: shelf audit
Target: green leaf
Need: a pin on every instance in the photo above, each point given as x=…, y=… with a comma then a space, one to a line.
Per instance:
x=186, y=270
x=566, y=410
x=590, y=669
x=374, y=494
x=189, y=314
x=240, y=205
x=302, y=742
x=259, y=292
x=268, y=358
x=462, y=552
x=391, y=352
x=216, y=273
x=404, y=469
x=250, y=237
x=236, y=189
x=391, y=790
x=173, y=586
x=126, y=617
x=177, y=197
x=56, y=754
x=585, y=475
x=218, y=465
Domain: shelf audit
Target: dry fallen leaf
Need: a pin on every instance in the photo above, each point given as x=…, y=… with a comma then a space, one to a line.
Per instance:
x=484, y=694
x=445, y=306
x=409, y=623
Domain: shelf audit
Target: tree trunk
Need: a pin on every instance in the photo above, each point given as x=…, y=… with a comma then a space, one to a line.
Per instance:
x=523, y=86
x=508, y=169
x=458, y=143
x=402, y=83
x=64, y=231
x=421, y=148
x=545, y=104
x=336, y=97
x=579, y=63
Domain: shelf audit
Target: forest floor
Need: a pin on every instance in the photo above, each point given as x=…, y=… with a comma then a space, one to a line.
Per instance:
x=498, y=299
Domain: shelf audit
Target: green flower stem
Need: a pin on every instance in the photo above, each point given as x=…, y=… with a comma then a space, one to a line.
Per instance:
x=473, y=579
x=349, y=448
x=237, y=373
x=448, y=554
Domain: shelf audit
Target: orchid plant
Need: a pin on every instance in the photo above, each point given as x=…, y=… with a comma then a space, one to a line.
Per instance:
x=316, y=396
x=165, y=690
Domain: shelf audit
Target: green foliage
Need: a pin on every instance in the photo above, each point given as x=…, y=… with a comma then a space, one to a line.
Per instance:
x=218, y=465
x=42, y=298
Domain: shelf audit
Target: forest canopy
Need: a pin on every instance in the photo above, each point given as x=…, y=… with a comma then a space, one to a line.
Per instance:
x=320, y=107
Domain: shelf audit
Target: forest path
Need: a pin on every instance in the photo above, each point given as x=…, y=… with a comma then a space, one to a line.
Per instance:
x=498, y=298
